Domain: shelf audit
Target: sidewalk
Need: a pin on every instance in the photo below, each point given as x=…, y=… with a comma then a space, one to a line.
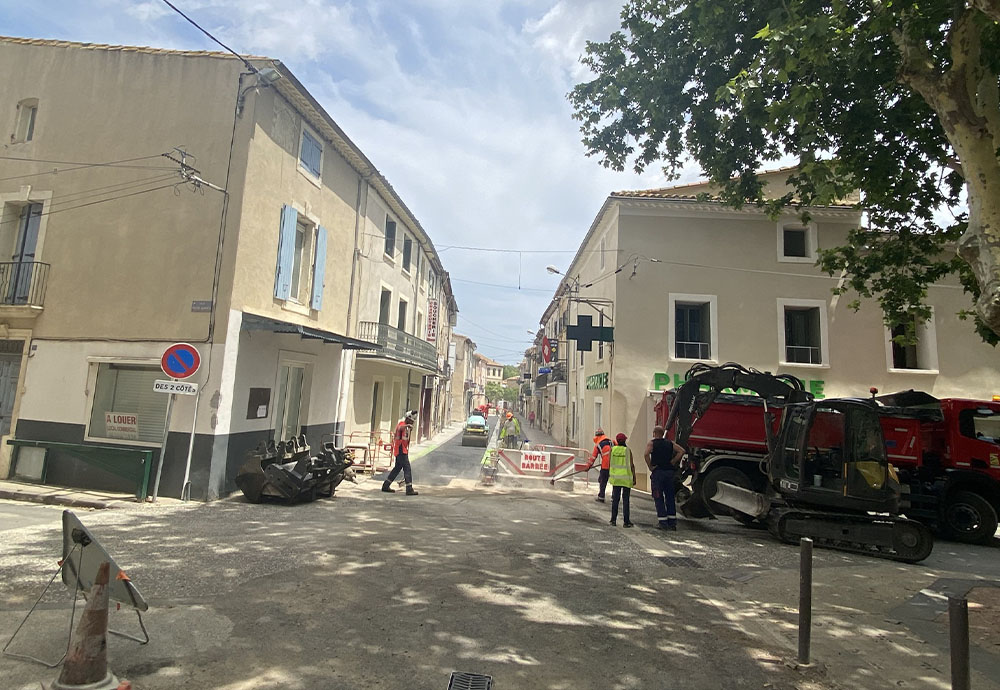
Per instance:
x=67, y=496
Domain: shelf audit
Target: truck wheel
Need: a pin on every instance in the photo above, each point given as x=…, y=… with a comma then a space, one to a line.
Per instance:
x=969, y=518
x=729, y=475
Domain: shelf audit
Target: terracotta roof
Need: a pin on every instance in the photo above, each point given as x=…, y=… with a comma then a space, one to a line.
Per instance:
x=665, y=193
x=125, y=49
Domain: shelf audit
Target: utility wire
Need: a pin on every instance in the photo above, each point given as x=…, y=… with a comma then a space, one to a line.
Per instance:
x=195, y=25
x=90, y=164
x=59, y=203
x=99, y=201
x=494, y=285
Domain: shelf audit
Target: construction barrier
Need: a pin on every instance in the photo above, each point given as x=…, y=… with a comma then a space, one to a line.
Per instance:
x=529, y=462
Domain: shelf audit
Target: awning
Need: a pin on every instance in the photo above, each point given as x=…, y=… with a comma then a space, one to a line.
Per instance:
x=253, y=322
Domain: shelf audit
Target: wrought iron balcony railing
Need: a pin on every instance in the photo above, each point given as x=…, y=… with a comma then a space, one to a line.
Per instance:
x=398, y=345
x=23, y=283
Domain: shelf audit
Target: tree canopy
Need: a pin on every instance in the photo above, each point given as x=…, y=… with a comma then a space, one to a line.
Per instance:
x=897, y=99
x=496, y=391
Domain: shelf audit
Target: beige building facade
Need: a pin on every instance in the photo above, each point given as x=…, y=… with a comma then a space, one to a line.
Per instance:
x=462, y=360
x=125, y=251
x=683, y=280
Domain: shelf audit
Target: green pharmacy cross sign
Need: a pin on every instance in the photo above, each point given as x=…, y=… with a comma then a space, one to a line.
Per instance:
x=585, y=333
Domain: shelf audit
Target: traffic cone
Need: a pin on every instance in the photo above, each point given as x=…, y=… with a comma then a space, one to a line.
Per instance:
x=86, y=663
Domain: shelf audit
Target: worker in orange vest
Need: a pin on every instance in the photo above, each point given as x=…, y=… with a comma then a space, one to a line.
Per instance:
x=401, y=451
x=602, y=447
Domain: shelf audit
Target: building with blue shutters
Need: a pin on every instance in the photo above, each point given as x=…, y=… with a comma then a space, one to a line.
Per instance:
x=254, y=239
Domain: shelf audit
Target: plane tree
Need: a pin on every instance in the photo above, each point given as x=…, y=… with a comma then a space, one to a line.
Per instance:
x=895, y=98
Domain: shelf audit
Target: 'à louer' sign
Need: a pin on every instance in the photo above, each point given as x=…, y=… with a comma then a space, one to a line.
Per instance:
x=662, y=380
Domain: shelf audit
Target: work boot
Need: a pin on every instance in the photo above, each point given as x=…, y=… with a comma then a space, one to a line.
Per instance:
x=627, y=524
x=613, y=522
x=387, y=487
x=410, y=491
x=599, y=499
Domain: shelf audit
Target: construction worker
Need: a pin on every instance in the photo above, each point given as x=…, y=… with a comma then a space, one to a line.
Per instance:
x=401, y=451
x=510, y=432
x=621, y=474
x=662, y=458
x=602, y=447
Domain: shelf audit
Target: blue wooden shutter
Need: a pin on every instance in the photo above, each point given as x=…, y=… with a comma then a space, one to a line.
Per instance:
x=319, y=269
x=286, y=251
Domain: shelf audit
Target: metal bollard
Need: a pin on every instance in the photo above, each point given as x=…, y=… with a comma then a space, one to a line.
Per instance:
x=805, y=597
x=958, y=624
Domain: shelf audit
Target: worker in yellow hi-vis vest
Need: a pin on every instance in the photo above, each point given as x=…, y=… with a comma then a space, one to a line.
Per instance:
x=621, y=476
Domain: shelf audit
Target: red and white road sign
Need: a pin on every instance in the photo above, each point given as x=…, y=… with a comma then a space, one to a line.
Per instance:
x=546, y=350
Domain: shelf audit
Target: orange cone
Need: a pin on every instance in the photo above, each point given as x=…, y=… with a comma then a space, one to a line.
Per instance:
x=87, y=660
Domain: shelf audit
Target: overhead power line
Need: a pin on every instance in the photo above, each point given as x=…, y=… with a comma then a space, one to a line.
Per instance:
x=195, y=25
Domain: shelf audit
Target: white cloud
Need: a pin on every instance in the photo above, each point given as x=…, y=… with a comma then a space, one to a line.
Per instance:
x=461, y=105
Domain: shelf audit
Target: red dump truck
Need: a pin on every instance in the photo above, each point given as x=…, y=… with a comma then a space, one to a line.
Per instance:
x=946, y=452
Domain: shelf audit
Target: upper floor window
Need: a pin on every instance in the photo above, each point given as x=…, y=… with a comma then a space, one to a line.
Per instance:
x=695, y=323
x=803, y=334
x=385, y=301
x=407, y=252
x=920, y=355
x=301, y=259
x=796, y=242
x=401, y=315
x=390, y=237
x=602, y=253
x=311, y=153
x=24, y=129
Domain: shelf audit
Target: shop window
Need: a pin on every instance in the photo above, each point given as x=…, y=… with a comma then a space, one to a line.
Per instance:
x=125, y=407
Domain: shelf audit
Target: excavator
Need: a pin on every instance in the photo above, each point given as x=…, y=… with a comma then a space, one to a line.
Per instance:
x=826, y=473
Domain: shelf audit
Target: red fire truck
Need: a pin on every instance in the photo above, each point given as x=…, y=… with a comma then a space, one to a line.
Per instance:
x=946, y=452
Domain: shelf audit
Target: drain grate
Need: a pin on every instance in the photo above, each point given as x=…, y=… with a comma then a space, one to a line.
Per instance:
x=680, y=562
x=470, y=681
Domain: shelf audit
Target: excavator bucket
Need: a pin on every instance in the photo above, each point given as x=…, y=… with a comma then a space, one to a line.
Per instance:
x=745, y=501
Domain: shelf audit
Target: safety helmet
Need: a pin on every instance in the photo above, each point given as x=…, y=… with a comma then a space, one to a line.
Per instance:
x=509, y=415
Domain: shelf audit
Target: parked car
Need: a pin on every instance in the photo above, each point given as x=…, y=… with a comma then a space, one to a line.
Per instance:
x=476, y=432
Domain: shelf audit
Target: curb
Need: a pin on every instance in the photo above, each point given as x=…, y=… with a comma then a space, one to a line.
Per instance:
x=54, y=499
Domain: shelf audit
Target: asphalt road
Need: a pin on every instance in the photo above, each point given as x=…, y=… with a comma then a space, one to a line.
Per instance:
x=17, y=514
x=532, y=587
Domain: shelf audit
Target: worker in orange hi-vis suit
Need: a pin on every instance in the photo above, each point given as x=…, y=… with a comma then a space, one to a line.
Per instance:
x=401, y=451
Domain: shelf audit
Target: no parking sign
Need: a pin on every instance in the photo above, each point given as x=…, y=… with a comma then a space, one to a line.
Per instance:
x=180, y=361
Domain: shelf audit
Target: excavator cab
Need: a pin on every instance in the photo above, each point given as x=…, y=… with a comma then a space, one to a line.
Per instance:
x=831, y=453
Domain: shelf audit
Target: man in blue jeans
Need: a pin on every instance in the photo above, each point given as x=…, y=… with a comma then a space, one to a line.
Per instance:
x=662, y=458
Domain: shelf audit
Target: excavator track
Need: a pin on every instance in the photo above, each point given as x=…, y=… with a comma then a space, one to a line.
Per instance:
x=895, y=538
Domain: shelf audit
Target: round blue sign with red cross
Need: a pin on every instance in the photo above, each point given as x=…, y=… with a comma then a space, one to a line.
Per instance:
x=180, y=361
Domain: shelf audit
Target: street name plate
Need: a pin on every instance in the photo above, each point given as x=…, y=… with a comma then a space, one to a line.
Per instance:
x=179, y=387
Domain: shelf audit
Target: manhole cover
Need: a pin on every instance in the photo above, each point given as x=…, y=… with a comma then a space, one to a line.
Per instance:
x=470, y=681
x=680, y=562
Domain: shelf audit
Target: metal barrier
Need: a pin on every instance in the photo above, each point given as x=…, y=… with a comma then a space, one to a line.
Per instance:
x=134, y=464
x=370, y=449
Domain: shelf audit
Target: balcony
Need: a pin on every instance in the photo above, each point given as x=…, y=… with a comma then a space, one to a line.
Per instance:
x=22, y=287
x=398, y=345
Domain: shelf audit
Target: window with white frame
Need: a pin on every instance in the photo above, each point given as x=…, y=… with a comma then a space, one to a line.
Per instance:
x=419, y=332
x=390, y=237
x=293, y=387
x=24, y=128
x=401, y=315
x=311, y=152
x=125, y=407
x=913, y=356
x=407, y=252
x=694, y=327
x=300, y=272
x=384, y=305
x=796, y=242
x=600, y=343
x=803, y=332
x=302, y=264
x=598, y=413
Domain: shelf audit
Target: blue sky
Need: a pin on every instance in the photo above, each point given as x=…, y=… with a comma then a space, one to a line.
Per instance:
x=459, y=103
